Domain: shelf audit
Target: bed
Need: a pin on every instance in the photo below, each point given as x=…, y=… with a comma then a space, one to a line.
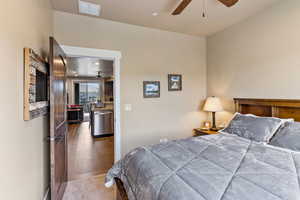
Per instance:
x=214, y=167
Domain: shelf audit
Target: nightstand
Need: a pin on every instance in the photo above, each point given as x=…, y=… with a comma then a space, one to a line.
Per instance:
x=201, y=132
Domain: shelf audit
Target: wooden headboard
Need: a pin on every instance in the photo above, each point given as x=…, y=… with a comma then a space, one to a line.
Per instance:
x=282, y=108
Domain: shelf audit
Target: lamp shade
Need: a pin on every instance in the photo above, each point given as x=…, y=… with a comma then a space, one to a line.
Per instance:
x=213, y=104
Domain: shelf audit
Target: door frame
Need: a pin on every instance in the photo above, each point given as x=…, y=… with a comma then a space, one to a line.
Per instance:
x=115, y=56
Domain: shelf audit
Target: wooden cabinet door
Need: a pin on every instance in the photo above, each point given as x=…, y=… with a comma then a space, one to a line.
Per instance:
x=58, y=121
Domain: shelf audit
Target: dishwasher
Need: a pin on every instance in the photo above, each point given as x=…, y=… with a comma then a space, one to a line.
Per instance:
x=102, y=123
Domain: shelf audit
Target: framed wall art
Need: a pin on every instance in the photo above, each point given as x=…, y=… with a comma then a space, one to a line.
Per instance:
x=174, y=82
x=151, y=89
x=36, y=97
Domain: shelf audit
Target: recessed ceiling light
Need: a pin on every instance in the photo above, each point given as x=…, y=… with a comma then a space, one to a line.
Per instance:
x=155, y=14
x=89, y=8
x=96, y=63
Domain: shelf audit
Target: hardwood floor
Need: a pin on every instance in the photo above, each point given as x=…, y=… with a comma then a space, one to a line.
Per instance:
x=88, y=156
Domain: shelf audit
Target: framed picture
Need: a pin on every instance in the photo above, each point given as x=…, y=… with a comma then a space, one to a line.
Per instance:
x=36, y=88
x=174, y=82
x=151, y=89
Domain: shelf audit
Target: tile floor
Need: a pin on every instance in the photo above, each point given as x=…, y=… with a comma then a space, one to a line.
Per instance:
x=91, y=188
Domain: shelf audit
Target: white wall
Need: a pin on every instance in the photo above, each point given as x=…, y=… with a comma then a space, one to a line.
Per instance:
x=147, y=54
x=24, y=152
x=258, y=58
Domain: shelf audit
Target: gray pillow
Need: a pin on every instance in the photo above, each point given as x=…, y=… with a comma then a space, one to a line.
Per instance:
x=259, y=129
x=288, y=137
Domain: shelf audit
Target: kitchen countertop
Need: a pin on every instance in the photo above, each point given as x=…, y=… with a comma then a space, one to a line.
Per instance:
x=106, y=107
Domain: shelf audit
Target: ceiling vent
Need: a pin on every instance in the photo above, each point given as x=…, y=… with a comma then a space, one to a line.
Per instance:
x=89, y=8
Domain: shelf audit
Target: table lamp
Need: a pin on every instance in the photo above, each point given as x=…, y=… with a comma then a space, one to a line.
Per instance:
x=213, y=104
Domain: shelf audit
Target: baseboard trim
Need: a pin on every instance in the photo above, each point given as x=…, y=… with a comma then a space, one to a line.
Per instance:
x=46, y=196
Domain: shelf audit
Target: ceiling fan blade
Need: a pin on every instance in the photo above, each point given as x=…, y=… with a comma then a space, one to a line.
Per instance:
x=228, y=3
x=181, y=7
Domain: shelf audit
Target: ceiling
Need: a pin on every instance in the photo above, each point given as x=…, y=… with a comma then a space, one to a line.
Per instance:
x=89, y=67
x=139, y=12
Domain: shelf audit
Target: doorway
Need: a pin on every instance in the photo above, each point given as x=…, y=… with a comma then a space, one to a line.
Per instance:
x=94, y=142
x=90, y=117
x=115, y=57
x=60, y=105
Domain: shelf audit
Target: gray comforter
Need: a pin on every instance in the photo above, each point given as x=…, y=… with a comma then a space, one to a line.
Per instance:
x=212, y=167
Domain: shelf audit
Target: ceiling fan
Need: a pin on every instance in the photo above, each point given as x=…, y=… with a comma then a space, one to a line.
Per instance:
x=99, y=75
x=185, y=3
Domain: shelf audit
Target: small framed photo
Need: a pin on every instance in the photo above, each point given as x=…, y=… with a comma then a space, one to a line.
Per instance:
x=151, y=89
x=174, y=82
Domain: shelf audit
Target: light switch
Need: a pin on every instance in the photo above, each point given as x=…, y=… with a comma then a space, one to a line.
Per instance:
x=128, y=107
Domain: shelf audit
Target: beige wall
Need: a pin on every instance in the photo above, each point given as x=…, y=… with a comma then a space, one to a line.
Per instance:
x=258, y=58
x=148, y=54
x=24, y=168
